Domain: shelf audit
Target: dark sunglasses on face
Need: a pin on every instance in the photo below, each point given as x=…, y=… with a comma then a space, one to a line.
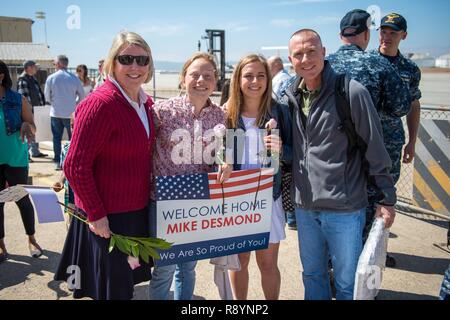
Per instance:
x=127, y=60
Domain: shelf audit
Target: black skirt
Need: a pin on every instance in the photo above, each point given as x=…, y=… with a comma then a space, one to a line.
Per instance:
x=91, y=271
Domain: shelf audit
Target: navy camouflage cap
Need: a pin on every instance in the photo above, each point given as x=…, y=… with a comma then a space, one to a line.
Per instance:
x=29, y=63
x=394, y=21
x=357, y=19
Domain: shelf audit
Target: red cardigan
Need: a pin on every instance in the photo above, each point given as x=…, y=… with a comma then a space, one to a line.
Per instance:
x=109, y=160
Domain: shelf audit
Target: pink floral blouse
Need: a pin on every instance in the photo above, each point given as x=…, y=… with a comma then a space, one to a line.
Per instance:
x=184, y=140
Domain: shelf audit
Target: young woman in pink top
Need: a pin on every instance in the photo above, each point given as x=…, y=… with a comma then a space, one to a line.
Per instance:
x=194, y=113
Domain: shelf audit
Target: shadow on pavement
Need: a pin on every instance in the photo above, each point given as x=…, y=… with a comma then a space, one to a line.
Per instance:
x=17, y=269
x=393, y=235
x=418, y=264
x=438, y=223
x=395, y=295
x=141, y=293
x=56, y=286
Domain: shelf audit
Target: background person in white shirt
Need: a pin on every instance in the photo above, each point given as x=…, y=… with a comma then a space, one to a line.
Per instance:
x=62, y=89
x=279, y=75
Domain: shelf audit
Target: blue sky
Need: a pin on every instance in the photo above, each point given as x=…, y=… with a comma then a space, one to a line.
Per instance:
x=173, y=27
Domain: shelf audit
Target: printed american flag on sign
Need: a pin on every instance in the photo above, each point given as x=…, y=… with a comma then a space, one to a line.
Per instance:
x=204, y=186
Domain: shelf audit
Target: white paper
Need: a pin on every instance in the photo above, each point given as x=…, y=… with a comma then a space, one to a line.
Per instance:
x=46, y=204
x=371, y=263
x=12, y=194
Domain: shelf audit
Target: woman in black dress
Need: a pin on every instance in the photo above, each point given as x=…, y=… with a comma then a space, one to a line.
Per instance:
x=109, y=168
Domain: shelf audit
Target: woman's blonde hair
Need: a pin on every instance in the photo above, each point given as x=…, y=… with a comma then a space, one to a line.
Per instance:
x=199, y=55
x=236, y=100
x=123, y=39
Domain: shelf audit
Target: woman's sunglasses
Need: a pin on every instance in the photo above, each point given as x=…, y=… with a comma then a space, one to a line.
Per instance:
x=127, y=60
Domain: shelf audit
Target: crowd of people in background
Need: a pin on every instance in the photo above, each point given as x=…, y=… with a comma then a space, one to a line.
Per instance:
x=351, y=100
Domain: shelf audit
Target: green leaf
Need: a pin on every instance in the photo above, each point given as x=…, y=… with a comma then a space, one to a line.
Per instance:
x=135, y=251
x=112, y=242
x=131, y=242
x=122, y=245
x=145, y=248
x=143, y=254
x=154, y=254
x=156, y=243
x=138, y=246
x=149, y=240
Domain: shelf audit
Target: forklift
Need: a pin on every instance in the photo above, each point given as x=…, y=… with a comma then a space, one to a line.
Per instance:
x=216, y=45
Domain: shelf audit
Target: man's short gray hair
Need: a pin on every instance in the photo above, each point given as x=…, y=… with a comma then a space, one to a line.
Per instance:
x=301, y=31
x=63, y=60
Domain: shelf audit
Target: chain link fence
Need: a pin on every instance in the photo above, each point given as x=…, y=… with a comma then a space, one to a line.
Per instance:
x=405, y=185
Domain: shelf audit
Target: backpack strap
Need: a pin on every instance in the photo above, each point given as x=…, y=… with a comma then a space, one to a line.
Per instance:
x=342, y=97
x=355, y=142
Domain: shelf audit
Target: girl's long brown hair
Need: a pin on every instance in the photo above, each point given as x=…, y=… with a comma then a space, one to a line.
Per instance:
x=236, y=101
x=83, y=67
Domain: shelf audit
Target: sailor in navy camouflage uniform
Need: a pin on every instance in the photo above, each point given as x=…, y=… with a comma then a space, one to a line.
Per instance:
x=388, y=91
x=392, y=31
x=445, y=287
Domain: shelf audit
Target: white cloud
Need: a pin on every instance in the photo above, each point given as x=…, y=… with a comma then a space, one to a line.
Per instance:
x=282, y=23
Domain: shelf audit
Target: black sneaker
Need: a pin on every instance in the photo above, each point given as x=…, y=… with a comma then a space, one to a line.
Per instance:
x=40, y=155
x=390, y=261
x=58, y=167
x=3, y=257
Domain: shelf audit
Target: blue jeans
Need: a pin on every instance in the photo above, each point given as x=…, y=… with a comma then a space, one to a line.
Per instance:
x=324, y=234
x=162, y=277
x=58, y=125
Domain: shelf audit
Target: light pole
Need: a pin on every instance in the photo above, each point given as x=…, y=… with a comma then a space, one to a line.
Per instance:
x=41, y=15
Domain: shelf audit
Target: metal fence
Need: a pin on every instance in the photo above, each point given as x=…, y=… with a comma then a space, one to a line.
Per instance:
x=424, y=185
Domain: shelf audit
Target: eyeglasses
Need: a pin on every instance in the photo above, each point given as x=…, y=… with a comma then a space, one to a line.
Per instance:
x=127, y=60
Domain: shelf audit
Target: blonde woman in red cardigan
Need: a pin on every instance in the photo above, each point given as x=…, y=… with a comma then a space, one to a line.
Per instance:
x=109, y=168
